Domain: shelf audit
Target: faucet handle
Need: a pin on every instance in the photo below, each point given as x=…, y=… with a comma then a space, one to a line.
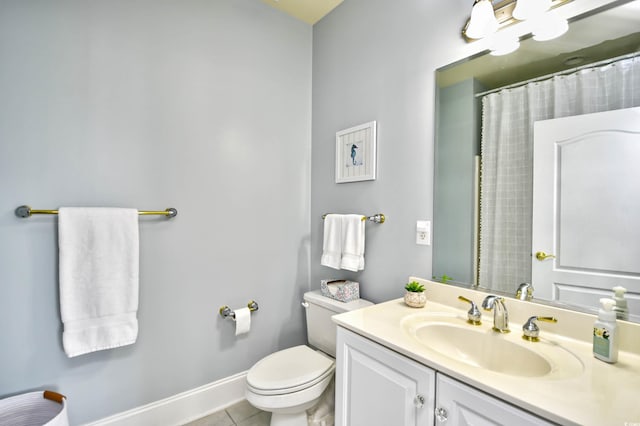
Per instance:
x=525, y=291
x=474, y=314
x=530, y=330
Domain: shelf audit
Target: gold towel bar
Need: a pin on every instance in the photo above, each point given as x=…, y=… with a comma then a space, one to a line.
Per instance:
x=26, y=211
x=376, y=218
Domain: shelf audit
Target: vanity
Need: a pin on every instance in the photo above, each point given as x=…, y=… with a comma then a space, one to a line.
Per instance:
x=398, y=365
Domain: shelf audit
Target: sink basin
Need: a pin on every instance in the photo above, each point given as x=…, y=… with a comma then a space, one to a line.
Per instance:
x=481, y=349
x=455, y=339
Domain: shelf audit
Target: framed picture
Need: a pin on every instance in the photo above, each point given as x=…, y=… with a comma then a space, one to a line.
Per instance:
x=356, y=153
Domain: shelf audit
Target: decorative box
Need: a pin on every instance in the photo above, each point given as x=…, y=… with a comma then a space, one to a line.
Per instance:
x=342, y=290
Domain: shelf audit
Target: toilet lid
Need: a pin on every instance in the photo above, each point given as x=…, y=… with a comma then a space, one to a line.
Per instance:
x=289, y=368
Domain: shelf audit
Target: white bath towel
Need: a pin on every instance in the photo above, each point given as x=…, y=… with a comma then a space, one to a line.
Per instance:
x=98, y=278
x=353, y=228
x=332, y=243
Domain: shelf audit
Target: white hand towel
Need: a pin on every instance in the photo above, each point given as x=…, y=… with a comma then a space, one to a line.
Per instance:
x=98, y=278
x=353, y=228
x=332, y=243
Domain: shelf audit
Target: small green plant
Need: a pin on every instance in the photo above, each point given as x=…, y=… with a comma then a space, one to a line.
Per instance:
x=414, y=287
x=443, y=279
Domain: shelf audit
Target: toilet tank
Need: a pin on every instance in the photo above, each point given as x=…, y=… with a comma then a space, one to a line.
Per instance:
x=321, y=331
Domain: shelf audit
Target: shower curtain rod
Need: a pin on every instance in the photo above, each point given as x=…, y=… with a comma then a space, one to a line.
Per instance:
x=565, y=72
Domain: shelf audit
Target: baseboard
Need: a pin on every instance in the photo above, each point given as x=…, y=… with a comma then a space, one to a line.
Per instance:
x=183, y=407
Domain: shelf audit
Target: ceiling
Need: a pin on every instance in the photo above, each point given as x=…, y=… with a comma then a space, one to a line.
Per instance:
x=309, y=11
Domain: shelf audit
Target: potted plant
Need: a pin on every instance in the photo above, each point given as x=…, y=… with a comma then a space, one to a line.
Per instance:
x=415, y=296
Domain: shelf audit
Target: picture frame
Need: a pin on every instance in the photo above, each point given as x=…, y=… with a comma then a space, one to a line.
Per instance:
x=356, y=153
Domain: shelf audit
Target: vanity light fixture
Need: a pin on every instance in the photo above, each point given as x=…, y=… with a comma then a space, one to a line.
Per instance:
x=527, y=9
x=483, y=20
x=549, y=26
x=503, y=45
x=490, y=16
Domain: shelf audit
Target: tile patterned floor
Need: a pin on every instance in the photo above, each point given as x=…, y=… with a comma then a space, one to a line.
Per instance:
x=240, y=414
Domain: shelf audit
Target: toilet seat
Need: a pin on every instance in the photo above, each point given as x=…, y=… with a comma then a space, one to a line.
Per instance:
x=288, y=371
x=288, y=403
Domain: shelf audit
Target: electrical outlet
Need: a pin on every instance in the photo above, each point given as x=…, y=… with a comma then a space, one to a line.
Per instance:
x=423, y=232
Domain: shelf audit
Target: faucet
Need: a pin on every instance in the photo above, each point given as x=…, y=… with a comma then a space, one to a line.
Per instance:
x=524, y=292
x=500, y=315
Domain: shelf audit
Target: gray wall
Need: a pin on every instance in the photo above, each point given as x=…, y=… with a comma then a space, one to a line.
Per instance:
x=205, y=106
x=196, y=104
x=376, y=60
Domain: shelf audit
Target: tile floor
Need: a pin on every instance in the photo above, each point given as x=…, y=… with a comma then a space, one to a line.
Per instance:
x=240, y=414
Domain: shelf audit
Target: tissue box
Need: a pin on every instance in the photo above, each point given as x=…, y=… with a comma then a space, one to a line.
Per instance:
x=342, y=290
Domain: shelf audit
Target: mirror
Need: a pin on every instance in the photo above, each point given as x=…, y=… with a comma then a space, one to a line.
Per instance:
x=592, y=40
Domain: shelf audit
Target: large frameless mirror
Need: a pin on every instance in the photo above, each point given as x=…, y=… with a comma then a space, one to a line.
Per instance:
x=489, y=195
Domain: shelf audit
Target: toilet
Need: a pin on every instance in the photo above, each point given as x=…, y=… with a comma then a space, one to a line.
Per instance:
x=291, y=381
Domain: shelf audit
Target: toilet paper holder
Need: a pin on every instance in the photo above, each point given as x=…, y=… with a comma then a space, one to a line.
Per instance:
x=226, y=312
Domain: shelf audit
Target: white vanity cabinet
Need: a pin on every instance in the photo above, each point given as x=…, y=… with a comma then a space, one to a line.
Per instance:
x=461, y=405
x=376, y=386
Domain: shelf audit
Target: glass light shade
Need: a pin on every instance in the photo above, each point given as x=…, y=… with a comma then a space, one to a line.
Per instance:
x=528, y=9
x=548, y=27
x=483, y=20
x=503, y=45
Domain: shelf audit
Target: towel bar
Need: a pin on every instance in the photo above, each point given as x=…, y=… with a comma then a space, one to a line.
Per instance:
x=26, y=211
x=376, y=218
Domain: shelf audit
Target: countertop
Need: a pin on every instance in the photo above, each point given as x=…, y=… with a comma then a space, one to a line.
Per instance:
x=600, y=394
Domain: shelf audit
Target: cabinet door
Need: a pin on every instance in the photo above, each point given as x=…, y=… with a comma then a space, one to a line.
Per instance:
x=461, y=405
x=378, y=387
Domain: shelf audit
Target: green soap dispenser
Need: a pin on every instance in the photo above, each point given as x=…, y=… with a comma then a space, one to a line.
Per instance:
x=605, y=339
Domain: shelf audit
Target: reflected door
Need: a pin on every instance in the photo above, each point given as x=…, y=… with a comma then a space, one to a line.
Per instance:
x=586, y=207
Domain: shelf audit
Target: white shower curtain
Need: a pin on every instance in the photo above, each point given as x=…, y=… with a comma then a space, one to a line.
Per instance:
x=507, y=157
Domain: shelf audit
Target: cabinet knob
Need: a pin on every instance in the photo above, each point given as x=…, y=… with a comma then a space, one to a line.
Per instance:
x=418, y=401
x=441, y=414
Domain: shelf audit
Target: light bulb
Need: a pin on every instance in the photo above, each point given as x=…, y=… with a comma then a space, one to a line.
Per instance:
x=483, y=20
x=528, y=9
x=503, y=45
x=548, y=27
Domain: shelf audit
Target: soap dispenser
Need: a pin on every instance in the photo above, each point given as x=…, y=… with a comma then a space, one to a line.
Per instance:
x=605, y=339
x=621, y=308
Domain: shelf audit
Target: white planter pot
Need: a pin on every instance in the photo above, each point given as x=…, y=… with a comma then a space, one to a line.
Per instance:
x=415, y=299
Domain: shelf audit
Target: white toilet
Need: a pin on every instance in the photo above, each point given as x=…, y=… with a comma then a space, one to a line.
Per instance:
x=291, y=381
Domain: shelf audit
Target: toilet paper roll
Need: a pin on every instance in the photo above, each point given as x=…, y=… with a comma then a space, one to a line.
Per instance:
x=243, y=321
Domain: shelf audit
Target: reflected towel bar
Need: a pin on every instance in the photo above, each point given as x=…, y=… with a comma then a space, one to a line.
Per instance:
x=376, y=218
x=26, y=211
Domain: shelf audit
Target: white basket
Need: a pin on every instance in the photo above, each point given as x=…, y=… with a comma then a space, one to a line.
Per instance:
x=34, y=409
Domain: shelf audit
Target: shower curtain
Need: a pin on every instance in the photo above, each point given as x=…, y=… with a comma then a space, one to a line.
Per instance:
x=507, y=157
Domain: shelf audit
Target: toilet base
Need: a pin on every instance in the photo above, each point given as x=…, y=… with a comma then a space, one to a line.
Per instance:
x=293, y=419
